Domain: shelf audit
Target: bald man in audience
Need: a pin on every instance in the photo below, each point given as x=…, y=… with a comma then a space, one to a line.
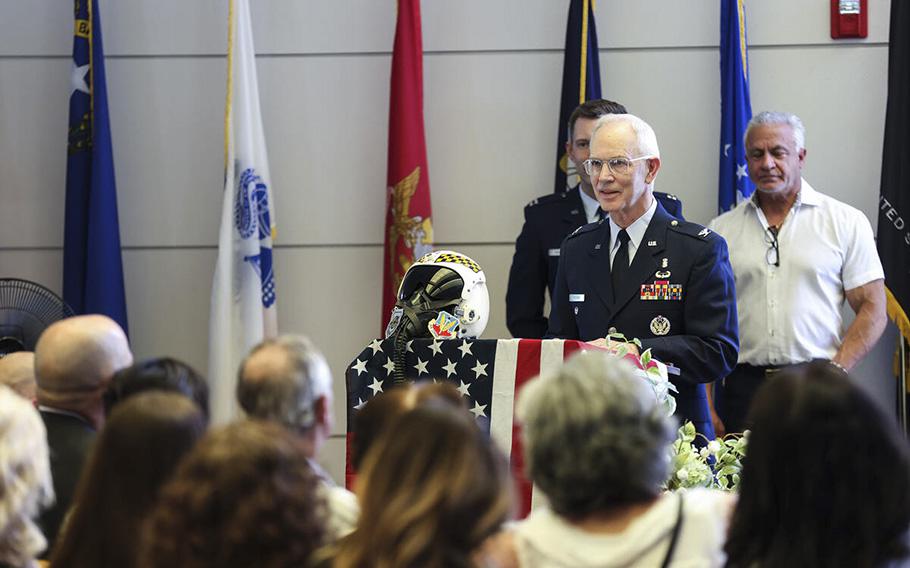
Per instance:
x=74, y=361
x=287, y=380
x=17, y=371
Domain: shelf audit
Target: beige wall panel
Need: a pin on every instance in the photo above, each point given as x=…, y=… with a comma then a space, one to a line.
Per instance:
x=132, y=27
x=678, y=93
x=787, y=22
x=33, y=126
x=44, y=266
x=167, y=118
x=840, y=94
x=489, y=136
x=36, y=27
x=326, y=126
x=167, y=299
x=331, y=294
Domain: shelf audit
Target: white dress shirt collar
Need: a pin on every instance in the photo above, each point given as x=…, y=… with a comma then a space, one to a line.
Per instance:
x=590, y=204
x=806, y=196
x=636, y=231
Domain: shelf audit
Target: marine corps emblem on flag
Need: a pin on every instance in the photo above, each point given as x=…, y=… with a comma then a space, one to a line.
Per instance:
x=409, y=237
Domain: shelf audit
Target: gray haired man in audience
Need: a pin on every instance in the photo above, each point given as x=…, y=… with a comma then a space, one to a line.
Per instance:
x=287, y=380
x=74, y=361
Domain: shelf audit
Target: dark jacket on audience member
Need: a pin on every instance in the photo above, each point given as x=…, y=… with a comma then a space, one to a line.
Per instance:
x=70, y=439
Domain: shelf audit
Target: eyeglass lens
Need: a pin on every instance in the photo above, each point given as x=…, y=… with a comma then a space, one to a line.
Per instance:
x=618, y=166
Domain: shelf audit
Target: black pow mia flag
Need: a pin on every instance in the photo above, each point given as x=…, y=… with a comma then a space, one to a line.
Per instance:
x=894, y=203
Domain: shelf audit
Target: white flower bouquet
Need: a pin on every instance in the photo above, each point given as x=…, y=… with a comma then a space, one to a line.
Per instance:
x=716, y=464
x=648, y=368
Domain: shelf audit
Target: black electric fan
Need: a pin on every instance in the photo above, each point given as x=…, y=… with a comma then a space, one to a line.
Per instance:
x=26, y=309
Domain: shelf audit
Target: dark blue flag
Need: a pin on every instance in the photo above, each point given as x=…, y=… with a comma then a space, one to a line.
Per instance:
x=894, y=202
x=735, y=107
x=580, y=80
x=92, y=267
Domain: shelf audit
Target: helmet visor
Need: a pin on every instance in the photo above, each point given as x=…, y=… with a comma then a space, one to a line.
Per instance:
x=433, y=283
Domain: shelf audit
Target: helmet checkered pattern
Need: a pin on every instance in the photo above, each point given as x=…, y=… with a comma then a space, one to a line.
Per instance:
x=458, y=259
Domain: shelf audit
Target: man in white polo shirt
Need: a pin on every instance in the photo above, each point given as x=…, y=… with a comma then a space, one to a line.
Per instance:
x=797, y=254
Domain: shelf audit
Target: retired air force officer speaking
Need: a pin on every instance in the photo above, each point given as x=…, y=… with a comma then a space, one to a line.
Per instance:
x=666, y=282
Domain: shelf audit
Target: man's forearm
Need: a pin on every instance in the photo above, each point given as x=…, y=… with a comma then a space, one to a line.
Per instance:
x=862, y=334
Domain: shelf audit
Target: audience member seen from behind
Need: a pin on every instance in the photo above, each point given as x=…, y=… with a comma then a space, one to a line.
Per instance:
x=597, y=445
x=135, y=454
x=17, y=371
x=826, y=479
x=432, y=490
x=245, y=496
x=158, y=374
x=25, y=480
x=385, y=408
x=287, y=381
x=74, y=361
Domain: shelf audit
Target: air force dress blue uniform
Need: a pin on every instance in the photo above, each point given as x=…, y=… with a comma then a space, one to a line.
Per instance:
x=548, y=220
x=679, y=300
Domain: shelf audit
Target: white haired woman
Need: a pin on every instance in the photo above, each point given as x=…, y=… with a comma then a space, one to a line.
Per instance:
x=597, y=444
x=25, y=480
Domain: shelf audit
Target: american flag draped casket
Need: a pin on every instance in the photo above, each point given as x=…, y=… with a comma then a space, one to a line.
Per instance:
x=489, y=373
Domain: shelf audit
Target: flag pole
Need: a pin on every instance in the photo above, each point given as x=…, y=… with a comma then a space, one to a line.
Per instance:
x=902, y=386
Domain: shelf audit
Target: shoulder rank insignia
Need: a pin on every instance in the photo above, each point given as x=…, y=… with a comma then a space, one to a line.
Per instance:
x=704, y=232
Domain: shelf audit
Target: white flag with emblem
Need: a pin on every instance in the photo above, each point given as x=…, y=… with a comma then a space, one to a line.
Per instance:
x=243, y=309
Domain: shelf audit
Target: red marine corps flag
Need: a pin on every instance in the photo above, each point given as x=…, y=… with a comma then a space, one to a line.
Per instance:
x=408, y=229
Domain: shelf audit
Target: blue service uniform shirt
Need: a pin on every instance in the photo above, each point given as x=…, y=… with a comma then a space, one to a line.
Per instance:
x=548, y=220
x=698, y=332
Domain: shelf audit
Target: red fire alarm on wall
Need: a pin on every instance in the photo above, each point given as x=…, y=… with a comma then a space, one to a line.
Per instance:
x=849, y=18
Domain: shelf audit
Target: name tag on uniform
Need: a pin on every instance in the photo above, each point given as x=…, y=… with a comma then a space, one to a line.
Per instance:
x=576, y=297
x=553, y=252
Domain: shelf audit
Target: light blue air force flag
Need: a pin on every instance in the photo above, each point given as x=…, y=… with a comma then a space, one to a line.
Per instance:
x=243, y=310
x=734, y=184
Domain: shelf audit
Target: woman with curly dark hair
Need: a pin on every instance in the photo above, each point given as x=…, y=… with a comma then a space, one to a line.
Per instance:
x=135, y=454
x=245, y=496
x=432, y=489
x=826, y=479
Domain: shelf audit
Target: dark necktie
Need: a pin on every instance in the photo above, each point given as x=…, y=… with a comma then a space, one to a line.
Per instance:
x=620, y=270
x=599, y=215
